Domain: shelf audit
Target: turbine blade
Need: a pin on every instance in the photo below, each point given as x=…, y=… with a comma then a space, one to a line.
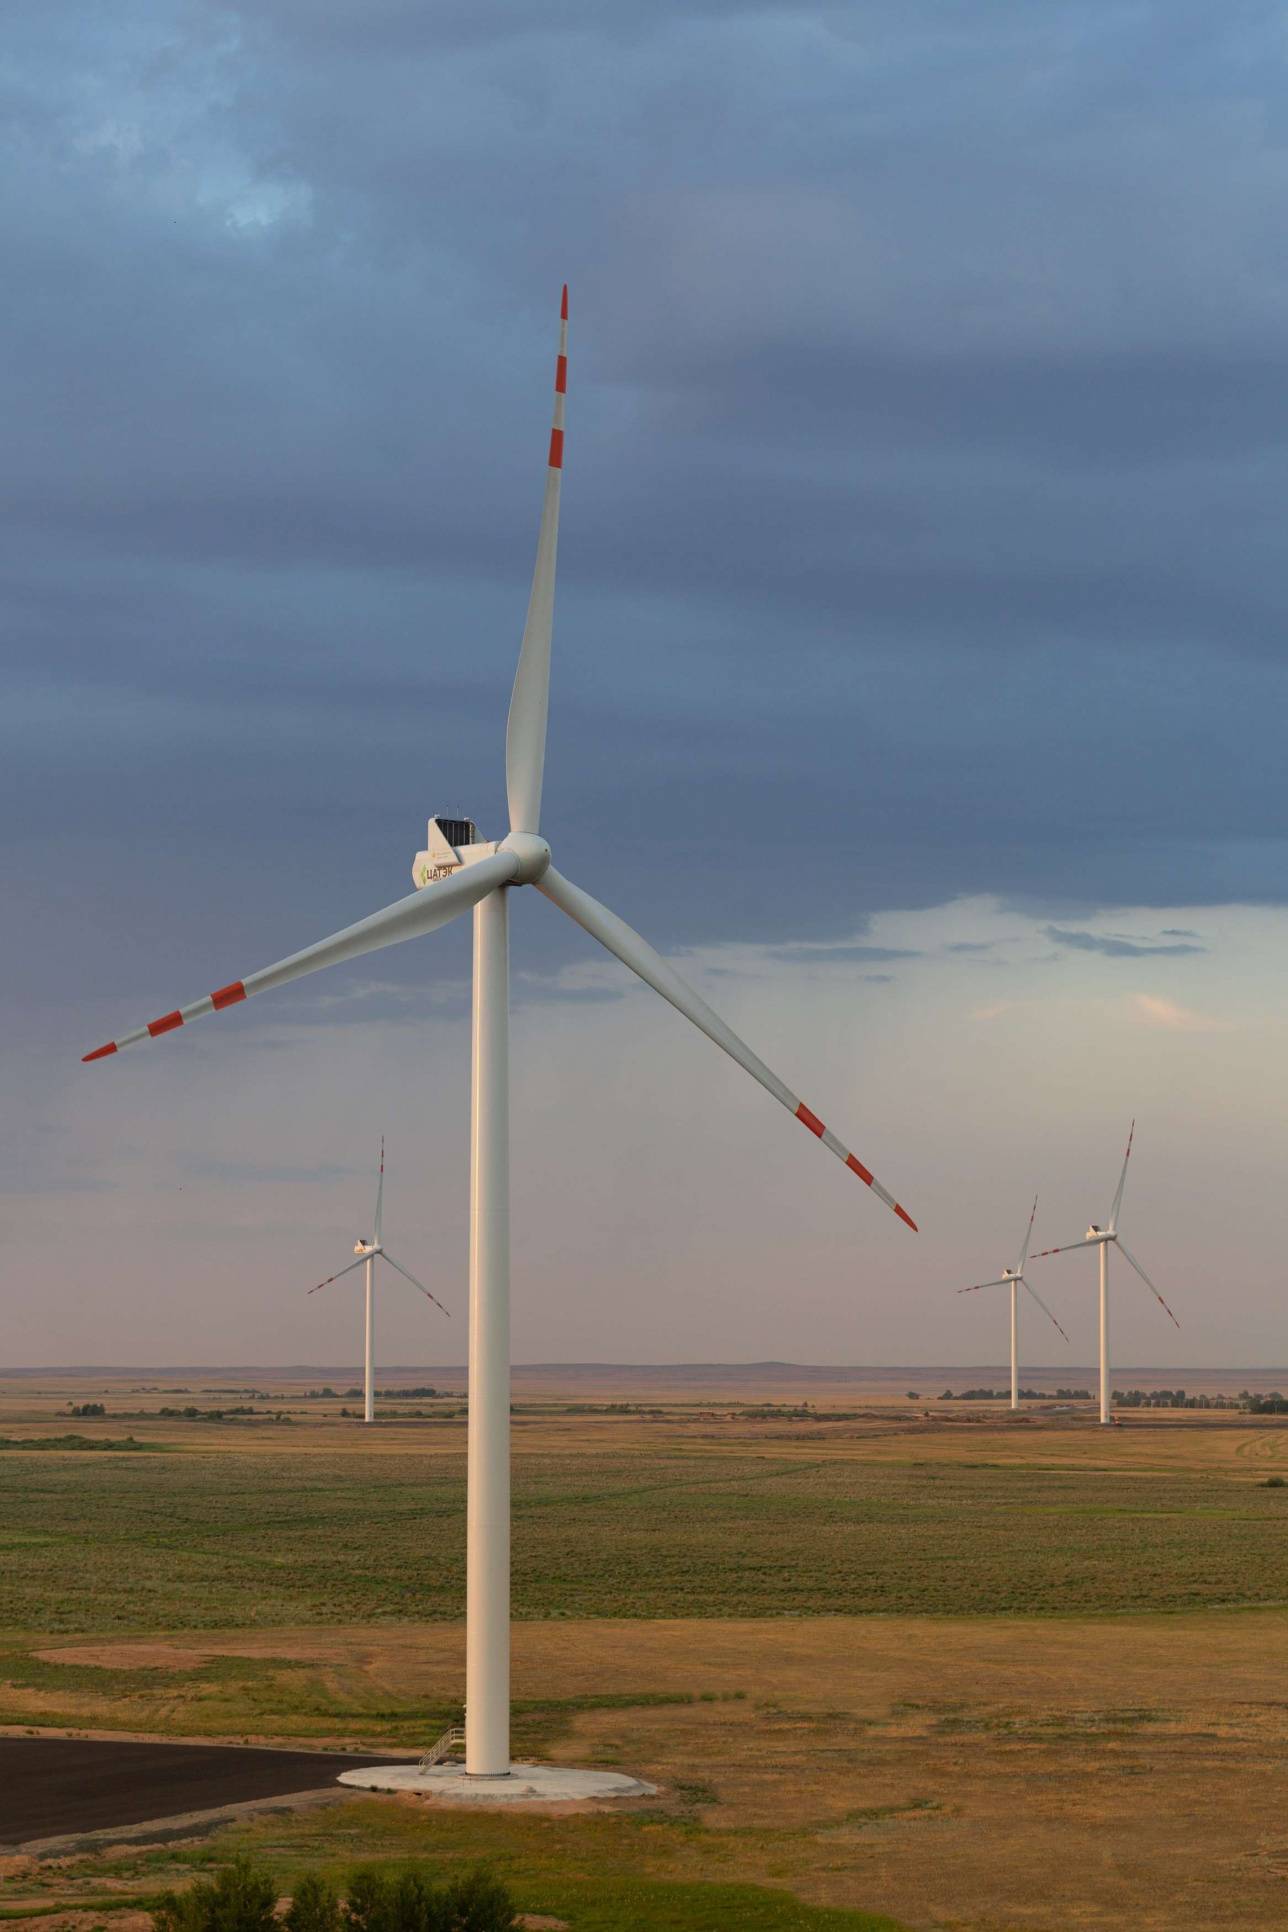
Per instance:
x=408, y=918
x=1068, y=1248
x=1129, y=1257
x=619, y=939
x=1122, y=1181
x=380, y=1195
x=1002, y=1281
x=1042, y=1305
x=525, y=732
x=415, y=1284
x=1024, y=1251
x=343, y=1272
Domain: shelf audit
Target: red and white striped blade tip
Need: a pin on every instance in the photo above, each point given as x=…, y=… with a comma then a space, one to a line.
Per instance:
x=815, y=1125
x=226, y=996
x=555, y=458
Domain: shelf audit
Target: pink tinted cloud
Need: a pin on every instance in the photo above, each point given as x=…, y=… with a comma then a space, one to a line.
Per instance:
x=1151, y=1010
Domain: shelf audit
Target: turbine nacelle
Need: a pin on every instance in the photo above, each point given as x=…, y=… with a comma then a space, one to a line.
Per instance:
x=441, y=857
x=450, y=843
x=363, y=1246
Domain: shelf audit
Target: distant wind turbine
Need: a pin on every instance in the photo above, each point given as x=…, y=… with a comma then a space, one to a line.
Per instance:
x=367, y=1251
x=1103, y=1238
x=458, y=871
x=1014, y=1278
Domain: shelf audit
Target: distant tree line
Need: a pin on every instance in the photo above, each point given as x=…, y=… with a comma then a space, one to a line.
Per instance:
x=1026, y=1395
x=188, y=1413
x=1245, y=1401
x=427, y=1394
x=386, y=1395
x=76, y=1442
x=409, y=1415
x=191, y=1413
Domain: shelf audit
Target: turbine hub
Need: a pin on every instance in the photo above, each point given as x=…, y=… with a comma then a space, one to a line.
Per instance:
x=532, y=852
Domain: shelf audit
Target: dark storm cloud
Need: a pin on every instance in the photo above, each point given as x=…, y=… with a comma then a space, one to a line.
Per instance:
x=927, y=441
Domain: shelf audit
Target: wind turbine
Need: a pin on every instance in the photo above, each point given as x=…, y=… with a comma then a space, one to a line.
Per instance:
x=1015, y=1278
x=1104, y=1239
x=459, y=871
x=367, y=1251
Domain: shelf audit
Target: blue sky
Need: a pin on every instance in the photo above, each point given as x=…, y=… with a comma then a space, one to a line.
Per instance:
x=919, y=675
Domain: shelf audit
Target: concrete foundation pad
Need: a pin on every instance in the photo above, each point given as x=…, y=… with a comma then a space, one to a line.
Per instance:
x=526, y=1784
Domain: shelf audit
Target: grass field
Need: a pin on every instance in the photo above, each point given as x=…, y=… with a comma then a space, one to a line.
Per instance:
x=203, y=1540
x=969, y=1673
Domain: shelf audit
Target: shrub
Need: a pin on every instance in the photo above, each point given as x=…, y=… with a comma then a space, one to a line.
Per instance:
x=416, y=1905
x=241, y=1899
x=408, y=1901
x=480, y=1903
x=315, y=1907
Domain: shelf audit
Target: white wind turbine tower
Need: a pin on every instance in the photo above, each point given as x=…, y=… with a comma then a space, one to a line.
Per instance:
x=1014, y=1278
x=1104, y=1239
x=459, y=871
x=368, y=1251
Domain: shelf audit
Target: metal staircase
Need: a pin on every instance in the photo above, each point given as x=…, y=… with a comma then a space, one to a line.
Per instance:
x=448, y=1745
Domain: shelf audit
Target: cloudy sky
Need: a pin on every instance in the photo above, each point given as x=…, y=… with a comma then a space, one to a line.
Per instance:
x=919, y=679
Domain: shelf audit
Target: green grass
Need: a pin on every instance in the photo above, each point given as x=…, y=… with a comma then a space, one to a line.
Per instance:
x=212, y=1540
x=1125, y=1722
x=612, y=1904
x=651, y=1870
x=285, y=1697
x=628, y=1905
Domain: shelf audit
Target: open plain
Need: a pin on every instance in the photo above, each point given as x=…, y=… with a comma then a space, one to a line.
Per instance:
x=882, y=1655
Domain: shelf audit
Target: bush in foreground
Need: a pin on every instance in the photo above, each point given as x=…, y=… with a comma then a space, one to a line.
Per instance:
x=409, y=1901
x=243, y=1899
x=315, y=1907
